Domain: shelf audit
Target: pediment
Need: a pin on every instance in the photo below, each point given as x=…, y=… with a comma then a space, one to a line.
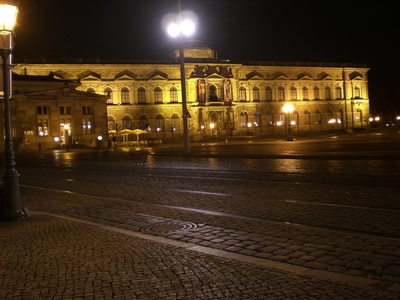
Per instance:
x=279, y=76
x=89, y=75
x=355, y=76
x=125, y=75
x=254, y=76
x=304, y=76
x=324, y=76
x=158, y=75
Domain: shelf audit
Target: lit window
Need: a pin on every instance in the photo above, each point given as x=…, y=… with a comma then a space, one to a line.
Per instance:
x=316, y=93
x=158, y=98
x=173, y=95
x=125, y=95
x=256, y=94
x=293, y=93
x=328, y=93
x=242, y=94
x=268, y=93
x=42, y=127
x=281, y=94
x=141, y=95
x=305, y=93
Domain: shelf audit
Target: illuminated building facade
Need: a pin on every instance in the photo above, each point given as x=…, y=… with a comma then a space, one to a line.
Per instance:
x=237, y=97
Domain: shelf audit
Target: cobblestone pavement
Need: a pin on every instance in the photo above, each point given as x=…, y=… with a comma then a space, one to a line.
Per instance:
x=45, y=257
x=161, y=236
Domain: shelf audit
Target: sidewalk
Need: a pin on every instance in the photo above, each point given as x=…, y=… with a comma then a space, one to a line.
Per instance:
x=48, y=257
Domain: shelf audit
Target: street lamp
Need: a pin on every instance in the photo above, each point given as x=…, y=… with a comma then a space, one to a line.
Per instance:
x=11, y=206
x=212, y=125
x=288, y=109
x=66, y=134
x=183, y=26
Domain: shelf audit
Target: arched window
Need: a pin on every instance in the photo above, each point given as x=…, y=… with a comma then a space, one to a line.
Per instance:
x=243, y=119
x=307, y=118
x=173, y=95
x=270, y=118
x=111, y=123
x=144, y=122
x=242, y=94
x=91, y=90
x=357, y=92
x=126, y=122
x=125, y=95
x=175, y=122
x=108, y=92
x=257, y=119
x=256, y=94
x=328, y=95
x=358, y=115
x=158, y=98
x=160, y=125
x=318, y=117
x=268, y=93
x=281, y=94
x=293, y=93
x=213, y=94
x=316, y=93
x=142, y=95
x=305, y=93
x=294, y=118
x=338, y=92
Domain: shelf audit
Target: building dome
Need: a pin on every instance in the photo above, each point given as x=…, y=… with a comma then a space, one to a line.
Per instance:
x=194, y=49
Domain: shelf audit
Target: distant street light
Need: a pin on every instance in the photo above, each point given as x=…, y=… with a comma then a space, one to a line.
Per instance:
x=288, y=109
x=182, y=26
x=11, y=207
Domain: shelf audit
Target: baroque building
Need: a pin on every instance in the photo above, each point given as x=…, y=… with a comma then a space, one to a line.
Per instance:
x=224, y=97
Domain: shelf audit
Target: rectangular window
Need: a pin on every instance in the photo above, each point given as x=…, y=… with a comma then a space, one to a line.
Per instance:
x=41, y=110
x=42, y=127
x=87, y=125
x=65, y=110
x=86, y=110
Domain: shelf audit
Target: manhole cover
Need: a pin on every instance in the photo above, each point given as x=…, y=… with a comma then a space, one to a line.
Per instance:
x=170, y=227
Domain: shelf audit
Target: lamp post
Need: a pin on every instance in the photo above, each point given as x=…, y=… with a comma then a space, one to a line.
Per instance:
x=288, y=109
x=212, y=125
x=185, y=27
x=66, y=134
x=11, y=206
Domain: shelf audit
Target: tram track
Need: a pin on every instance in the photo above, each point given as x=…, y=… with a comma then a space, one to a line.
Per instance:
x=107, y=203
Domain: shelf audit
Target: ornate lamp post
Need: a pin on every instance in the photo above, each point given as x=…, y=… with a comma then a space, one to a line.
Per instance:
x=288, y=109
x=183, y=26
x=11, y=206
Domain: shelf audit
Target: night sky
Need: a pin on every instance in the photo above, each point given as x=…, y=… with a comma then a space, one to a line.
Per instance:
x=363, y=32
